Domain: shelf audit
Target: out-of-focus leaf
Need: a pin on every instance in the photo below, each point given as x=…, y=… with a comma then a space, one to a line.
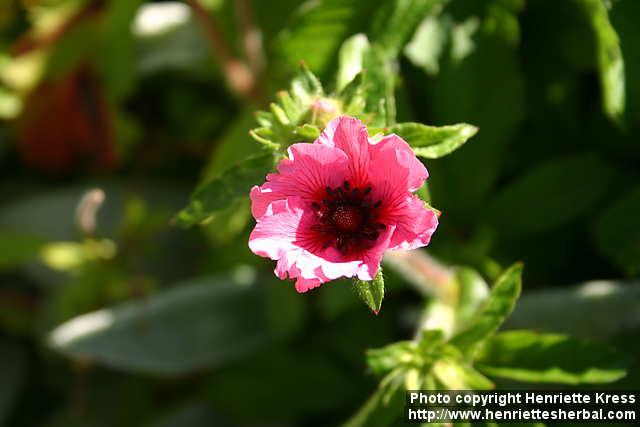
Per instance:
x=428, y=43
x=300, y=383
x=493, y=313
x=116, y=59
x=618, y=233
x=622, y=16
x=396, y=20
x=17, y=248
x=551, y=194
x=167, y=38
x=202, y=323
x=612, y=307
x=550, y=358
x=371, y=292
x=480, y=58
x=350, y=59
x=382, y=408
x=285, y=309
x=220, y=192
x=610, y=60
x=473, y=291
x=379, y=85
x=432, y=142
x=324, y=25
x=384, y=360
x=459, y=375
x=196, y=414
x=12, y=371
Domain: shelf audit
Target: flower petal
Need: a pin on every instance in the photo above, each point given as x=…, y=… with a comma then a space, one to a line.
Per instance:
x=308, y=170
x=282, y=234
x=415, y=224
x=392, y=156
x=350, y=135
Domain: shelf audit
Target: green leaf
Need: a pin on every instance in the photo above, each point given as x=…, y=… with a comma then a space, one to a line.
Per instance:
x=551, y=194
x=428, y=44
x=383, y=407
x=371, y=91
x=350, y=57
x=384, y=360
x=220, y=192
x=201, y=323
x=396, y=21
x=299, y=379
x=371, y=292
x=433, y=142
x=613, y=309
x=618, y=233
x=473, y=291
x=285, y=122
x=458, y=375
x=550, y=358
x=193, y=414
x=480, y=57
x=493, y=313
x=610, y=61
x=380, y=81
x=17, y=248
x=116, y=53
x=323, y=25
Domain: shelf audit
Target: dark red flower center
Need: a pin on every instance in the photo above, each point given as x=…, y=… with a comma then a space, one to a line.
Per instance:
x=348, y=218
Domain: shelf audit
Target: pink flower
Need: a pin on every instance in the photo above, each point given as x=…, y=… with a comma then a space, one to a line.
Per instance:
x=335, y=206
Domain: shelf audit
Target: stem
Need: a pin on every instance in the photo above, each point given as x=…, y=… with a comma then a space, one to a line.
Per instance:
x=28, y=43
x=425, y=273
x=251, y=37
x=239, y=77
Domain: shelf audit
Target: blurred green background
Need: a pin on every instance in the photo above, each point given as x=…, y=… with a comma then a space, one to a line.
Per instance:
x=112, y=111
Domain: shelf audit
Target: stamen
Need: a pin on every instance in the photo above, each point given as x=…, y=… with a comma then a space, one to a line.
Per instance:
x=346, y=218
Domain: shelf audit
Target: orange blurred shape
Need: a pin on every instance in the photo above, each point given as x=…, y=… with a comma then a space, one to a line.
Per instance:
x=65, y=126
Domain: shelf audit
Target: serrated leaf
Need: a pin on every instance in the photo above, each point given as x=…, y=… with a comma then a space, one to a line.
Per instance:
x=201, y=323
x=220, y=192
x=371, y=292
x=550, y=358
x=493, y=313
x=610, y=61
x=433, y=142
